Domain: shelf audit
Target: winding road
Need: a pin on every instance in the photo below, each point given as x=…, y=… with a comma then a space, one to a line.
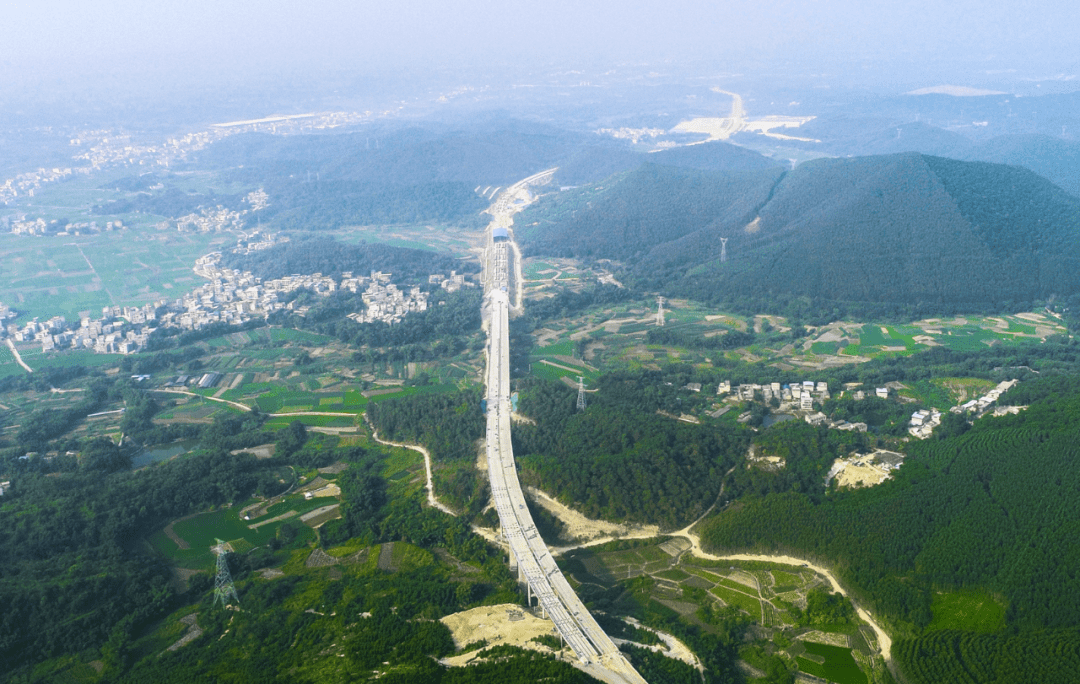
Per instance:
x=427, y=467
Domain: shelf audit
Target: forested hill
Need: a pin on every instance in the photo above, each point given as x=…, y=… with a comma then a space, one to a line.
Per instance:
x=903, y=228
x=331, y=258
x=382, y=175
x=1055, y=159
x=627, y=216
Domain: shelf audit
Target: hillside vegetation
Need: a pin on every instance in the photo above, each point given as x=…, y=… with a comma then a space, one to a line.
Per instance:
x=992, y=508
x=905, y=230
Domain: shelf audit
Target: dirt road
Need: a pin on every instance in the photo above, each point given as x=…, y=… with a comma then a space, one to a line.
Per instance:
x=427, y=467
x=18, y=359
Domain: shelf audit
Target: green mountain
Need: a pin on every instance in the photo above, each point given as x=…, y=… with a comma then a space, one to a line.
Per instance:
x=903, y=229
x=628, y=215
x=1053, y=158
x=414, y=174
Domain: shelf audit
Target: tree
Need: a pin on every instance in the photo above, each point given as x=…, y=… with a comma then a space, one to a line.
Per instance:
x=104, y=456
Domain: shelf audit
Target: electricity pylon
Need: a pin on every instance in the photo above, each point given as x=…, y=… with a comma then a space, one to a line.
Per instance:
x=580, y=393
x=660, y=311
x=223, y=584
x=723, y=250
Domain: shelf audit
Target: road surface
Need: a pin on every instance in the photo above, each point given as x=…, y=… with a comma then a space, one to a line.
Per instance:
x=529, y=554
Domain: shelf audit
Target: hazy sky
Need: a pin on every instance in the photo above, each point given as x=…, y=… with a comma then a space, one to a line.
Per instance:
x=191, y=37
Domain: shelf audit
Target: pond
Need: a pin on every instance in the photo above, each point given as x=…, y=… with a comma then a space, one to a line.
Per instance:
x=774, y=418
x=163, y=452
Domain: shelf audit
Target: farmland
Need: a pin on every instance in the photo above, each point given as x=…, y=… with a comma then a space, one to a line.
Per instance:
x=662, y=579
x=66, y=275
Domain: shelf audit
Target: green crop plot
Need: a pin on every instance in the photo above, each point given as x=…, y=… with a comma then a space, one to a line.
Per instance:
x=872, y=335
x=824, y=347
x=561, y=348
x=1022, y=328
x=839, y=665
x=293, y=335
x=532, y=271
x=739, y=600
x=8, y=365
x=968, y=338
x=970, y=611
x=787, y=578
x=317, y=421
x=201, y=533
x=550, y=372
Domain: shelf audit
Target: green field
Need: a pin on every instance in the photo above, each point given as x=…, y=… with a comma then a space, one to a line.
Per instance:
x=839, y=665
x=531, y=271
x=971, y=611
x=969, y=338
x=317, y=421
x=564, y=347
x=49, y=276
x=738, y=599
x=201, y=532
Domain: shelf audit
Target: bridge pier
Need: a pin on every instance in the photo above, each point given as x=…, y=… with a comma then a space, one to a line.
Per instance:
x=513, y=560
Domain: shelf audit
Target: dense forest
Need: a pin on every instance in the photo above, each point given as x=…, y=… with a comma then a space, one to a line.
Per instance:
x=67, y=564
x=619, y=460
x=170, y=201
x=447, y=424
x=327, y=205
x=1025, y=658
x=633, y=213
x=307, y=254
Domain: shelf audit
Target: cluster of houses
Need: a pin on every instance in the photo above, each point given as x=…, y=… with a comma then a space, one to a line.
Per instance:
x=26, y=183
x=923, y=422
x=802, y=396
x=385, y=302
x=111, y=334
x=39, y=226
x=455, y=282
x=229, y=296
x=217, y=219
x=204, y=381
x=979, y=405
x=805, y=393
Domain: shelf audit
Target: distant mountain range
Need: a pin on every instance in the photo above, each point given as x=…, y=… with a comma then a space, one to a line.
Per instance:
x=1056, y=159
x=903, y=228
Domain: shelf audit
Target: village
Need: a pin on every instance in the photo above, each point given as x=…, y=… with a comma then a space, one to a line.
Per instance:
x=856, y=469
x=104, y=148
x=230, y=297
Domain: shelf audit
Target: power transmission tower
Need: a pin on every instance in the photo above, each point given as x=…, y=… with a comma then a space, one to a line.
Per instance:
x=660, y=311
x=223, y=584
x=723, y=250
x=580, y=393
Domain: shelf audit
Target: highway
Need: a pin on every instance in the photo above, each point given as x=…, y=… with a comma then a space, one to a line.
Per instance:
x=528, y=553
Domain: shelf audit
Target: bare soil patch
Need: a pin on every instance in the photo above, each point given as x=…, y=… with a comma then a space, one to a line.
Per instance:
x=579, y=527
x=495, y=624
